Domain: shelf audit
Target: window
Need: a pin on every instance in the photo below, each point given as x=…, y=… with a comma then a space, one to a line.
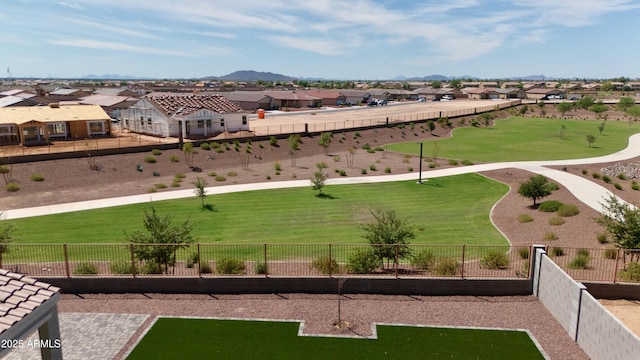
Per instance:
x=7, y=130
x=200, y=124
x=58, y=129
x=149, y=121
x=244, y=119
x=222, y=123
x=96, y=128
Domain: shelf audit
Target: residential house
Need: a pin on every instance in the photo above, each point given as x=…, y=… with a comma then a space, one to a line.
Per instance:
x=430, y=93
x=189, y=116
x=251, y=100
x=542, y=93
x=329, y=97
x=292, y=99
x=111, y=104
x=28, y=125
x=67, y=94
x=122, y=91
x=355, y=97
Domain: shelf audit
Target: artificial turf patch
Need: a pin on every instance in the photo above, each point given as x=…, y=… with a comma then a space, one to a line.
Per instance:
x=172, y=338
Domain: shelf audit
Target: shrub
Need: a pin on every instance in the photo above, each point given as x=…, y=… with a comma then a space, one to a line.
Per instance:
x=622, y=176
x=549, y=236
x=261, y=268
x=230, y=265
x=424, y=260
x=37, y=177
x=584, y=172
x=149, y=159
x=363, y=171
x=205, y=146
x=192, y=260
x=568, y=210
x=553, y=186
x=596, y=175
x=557, y=251
x=582, y=252
x=160, y=186
x=325, y=265
x=467, y=162
x=607, y=179
x=277, y=166
x=85, y=268
x=525, y=218
x=152, y=190
x=12, y=187
x=120, y=267
x=432, y=165
x=579, y=262
x=232, y=173
x=495, y=259
x=363, y=261
x=387, y=170
x=549, y=206
x=617, y=186
x=635, y=186
x=379, y=148
x=631, y=273
x=366, y=147
x=215, y=145
x=156, y=152
x=336, y=158
x=372, y=168
x=205, y=268
x=219, y=150
x=151, y=268
x=603, y=238
x=524, y=253
x=155, y=173
x=273, y=141
x=180, y=176
x=453, y=162
x=212, y=174
x=173, y=158
x=555, y=221
x=220, y=178
x=322, y=165
x=175, y=183
x=447, y=267
x=409, y=169
x=610, y=254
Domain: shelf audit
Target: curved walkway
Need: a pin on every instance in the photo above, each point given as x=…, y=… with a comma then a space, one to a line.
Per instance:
x=588, y=192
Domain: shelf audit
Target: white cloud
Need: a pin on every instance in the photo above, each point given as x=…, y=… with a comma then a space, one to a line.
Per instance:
x=72, y=5
x=108, y=45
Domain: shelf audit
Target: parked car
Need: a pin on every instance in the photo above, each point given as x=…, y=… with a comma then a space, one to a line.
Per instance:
x=382, y=102
x=372, y=102
x=422, y=99
x=447, y=97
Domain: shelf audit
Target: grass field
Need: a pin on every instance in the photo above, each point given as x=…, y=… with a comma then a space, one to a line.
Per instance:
x=449, y=210
x=172, y=338
x=521, y=139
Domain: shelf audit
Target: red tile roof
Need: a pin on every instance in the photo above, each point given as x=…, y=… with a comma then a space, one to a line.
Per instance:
x=188, y=104
x=19, y=296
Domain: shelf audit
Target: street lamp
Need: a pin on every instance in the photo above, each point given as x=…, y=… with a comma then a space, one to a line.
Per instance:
x=420, y=166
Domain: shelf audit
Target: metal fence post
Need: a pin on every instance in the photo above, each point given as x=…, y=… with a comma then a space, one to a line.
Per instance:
x=266, y=267
x=615, y=268
x=462, y=266
x=396, y=259
x=133, y=260
x=66, y=259
x=198, y=262
x=330, y=261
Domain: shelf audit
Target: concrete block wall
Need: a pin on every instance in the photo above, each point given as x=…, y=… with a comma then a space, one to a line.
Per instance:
x=602, y=336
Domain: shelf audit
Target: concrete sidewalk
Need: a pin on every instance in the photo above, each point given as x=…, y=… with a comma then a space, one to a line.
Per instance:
x=592, y=194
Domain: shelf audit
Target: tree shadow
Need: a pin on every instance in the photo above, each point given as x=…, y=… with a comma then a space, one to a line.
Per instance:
x=326, y=196
x=209, y=207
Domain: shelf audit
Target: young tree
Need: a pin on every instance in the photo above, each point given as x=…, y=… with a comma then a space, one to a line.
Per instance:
x=201, y=190
x=159, y=244
x=389, y=235
x=591, y=139
x=325, y=142
x=563, y=107
x=486, y=118
x=535, y=188
x=586, y=102
x=431, y=126
x=319, y=180
x=189, y=154
x=622, y=221
x=598, y=109
x=294, y=145
x=625, y=103
x=601, y=128
x=634, y=112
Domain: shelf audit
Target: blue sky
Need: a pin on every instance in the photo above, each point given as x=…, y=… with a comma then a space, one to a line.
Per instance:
x=334, y=39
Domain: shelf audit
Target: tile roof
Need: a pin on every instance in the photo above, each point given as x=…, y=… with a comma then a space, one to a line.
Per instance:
x=188, y=104
x=290, y=95
x=20, y=296
x=103, y=100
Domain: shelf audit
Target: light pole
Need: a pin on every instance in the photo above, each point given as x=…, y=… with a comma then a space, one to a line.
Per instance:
x=420, y=166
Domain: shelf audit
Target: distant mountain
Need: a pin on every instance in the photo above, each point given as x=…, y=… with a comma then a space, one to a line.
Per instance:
x=251, y=75
x=110, y=77
x=429, y=78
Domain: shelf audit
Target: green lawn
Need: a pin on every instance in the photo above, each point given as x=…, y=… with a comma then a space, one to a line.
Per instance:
x=520, y=139
x=172, y=338
x=449, y=210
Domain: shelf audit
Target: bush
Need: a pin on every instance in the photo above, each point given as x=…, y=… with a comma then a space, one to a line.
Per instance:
x=220, y=178
x=366, y=147
x=151, y=268
x=424, y=260
x=230, y=266
x=205, y=268
x=549, y=236
x=432, y=165
x=622, y=176
x=596, y=175
x=452, y=162
x=617, y=186
x=363, y=171
x=120, y=267
x=610, y=254
x=495, y=259
x=85, y=268
x=342, y=172
x=363, y=261
x=603, y=238
x=192, y=260
x=277, y=166
x=261, y=268
x=152, y=190
x=557, y=251
x=37, y=177
x=219, y=150
x=379, y=148
x=12, y=187
x=553, y=186
x=180, y=176
x=322, y=165
x=149, y=159
x=524, y=253
x=524, y=218
x=156, y=152
x=409, y=169
x=585, y=172
x=635, y=186
x=447, y=267
x=387, y=170
x=582, y=252
x=568, y=210
x=555, y=221
x=215, y=145
x=325, y=265
x=607, y=179
x=579, y=262
x=467, y=162
x=273, y=141
x=549, y=206
x=212, y=174
x=205, y=146
x=173, y=158
x=232, y=173
x=631, y=273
